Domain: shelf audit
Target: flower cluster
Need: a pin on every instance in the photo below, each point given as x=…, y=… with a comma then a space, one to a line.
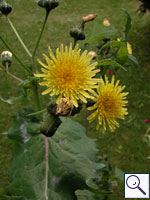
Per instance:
x=71, y=74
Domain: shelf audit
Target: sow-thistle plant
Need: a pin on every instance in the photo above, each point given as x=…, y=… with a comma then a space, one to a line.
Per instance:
x=73, y=75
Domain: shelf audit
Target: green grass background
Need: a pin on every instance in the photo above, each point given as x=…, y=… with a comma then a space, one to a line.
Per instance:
x=125, y=147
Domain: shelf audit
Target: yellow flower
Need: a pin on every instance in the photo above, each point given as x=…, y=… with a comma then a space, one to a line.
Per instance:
x=129, y=48
x=69, y=74
x=110, y=104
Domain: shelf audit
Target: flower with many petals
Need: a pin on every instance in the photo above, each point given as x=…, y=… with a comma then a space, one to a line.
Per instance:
x=69, y=74
x=110, y=104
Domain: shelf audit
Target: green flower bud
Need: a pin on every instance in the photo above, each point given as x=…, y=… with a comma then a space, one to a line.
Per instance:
x=6, y=58
x=50, y=125
x=48, y=4
x=51, y=108
x=77, y=33
x=5, y=8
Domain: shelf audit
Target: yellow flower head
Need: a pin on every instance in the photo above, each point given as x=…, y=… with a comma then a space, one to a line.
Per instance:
x=110, y=104
x=69, y=74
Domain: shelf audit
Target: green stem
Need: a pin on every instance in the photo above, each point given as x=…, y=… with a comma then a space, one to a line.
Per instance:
x=10, y=74
x=74, y=44
x=36, y=96
x=38, y=112
x=46, y=166
x=16, y=57
x=38, y=41
x=19, y=38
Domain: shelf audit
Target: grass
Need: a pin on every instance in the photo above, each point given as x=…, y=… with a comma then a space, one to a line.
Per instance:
x=125, y=147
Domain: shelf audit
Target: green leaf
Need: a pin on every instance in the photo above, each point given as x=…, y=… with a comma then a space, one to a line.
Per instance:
x=87, y=195
x=133, y=59
x=72, y=165
x=100, y=32
x=13, y=100
x=128, y=24
x=111, y=63
x=113, y=44
x=5, y=197
x=24, y=127
x=119, y=173
x=122, y=54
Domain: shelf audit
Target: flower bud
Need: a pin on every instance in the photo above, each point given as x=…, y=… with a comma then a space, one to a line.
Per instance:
x=48, y=4
x=106, y=22
x=64, y=107
x=6, y=57
x=110, y=72
x=77, y=33
x=147, y=120
x=129, y=48
x=93, y=54
x=89, y=18
x=50, y=125
x=5, y=8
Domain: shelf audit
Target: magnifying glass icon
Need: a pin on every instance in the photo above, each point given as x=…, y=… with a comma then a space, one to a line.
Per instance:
x=133, y=182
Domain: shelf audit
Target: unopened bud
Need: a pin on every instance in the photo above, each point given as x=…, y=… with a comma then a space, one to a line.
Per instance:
x=6, y=57
x=5, y=8
x=110, y=72
x=106, y=22
x=93, y=54
x=89, y=18
x=50, y=125
x=129, y=48
x=64, y=107
x=77, y=33
x=48, y=4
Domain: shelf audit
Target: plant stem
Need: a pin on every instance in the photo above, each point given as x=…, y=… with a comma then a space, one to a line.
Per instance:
x=46, y=166
x=19, y=38
x=36, y=96
x=74, y=44
x=16, y=57
x=38, y=112
x=38, y=41
x=10, y=74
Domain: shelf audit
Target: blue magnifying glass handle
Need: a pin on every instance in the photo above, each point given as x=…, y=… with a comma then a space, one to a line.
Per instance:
x=141, y=190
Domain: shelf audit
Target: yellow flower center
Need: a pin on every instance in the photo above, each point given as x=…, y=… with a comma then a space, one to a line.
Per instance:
x=108, y=105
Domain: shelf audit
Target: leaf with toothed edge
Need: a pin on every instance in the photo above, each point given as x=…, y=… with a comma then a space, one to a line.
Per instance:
x=73, y=165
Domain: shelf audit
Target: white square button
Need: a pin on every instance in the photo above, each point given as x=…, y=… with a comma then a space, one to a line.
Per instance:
x=136, y=185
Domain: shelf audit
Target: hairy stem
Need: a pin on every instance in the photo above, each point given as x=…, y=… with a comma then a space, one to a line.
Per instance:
x=46, y=165
x=38, y=41
x=19, y=38
x=16, y=57
x=36, y=96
